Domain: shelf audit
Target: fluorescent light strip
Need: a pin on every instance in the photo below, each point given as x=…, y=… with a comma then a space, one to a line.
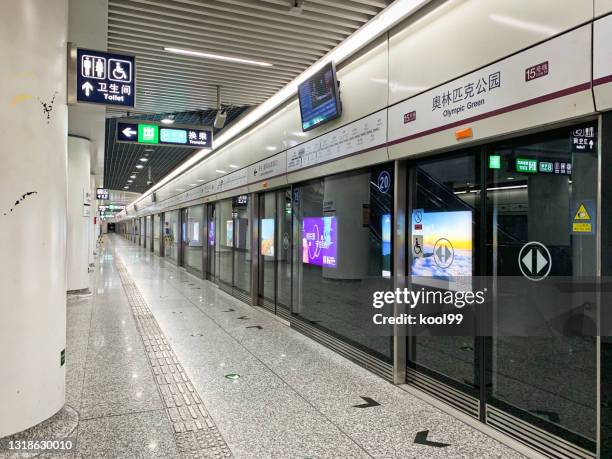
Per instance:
x=385, y=20
x=219, y=57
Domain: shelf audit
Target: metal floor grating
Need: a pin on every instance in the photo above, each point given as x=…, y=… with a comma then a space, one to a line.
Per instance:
x=195, y=432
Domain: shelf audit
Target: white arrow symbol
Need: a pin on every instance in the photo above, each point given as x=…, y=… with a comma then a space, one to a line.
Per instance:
x=541, y=261
x=87, y=87
x=128, y=132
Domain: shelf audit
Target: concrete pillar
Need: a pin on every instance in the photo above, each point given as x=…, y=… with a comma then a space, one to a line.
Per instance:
x=79, y=214
x=344, y=197
x=33, y=136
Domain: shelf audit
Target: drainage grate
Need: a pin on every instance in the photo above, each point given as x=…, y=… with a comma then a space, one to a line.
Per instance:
x=195, y=432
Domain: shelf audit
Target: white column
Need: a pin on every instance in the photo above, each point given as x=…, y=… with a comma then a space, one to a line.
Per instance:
x=78, y=230
x=33, y=130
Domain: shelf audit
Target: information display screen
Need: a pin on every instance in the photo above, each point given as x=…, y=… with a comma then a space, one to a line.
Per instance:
x=229, y=233
x=386, y=244
x=211, y=233
x=319, y=241
x=319, y=98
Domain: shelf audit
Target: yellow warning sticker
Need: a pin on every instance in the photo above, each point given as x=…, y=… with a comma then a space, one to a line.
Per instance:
x=582, y=213
x=582, y=227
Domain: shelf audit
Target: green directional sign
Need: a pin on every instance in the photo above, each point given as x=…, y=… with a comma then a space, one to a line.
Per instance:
x=148, y=133
x=494, y=161
x=527, y=166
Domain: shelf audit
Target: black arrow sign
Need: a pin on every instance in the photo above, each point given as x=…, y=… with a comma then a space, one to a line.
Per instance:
x=368, y=403
x=421, y=439
x=243, y=318
x=229, y=310
x=259, y=327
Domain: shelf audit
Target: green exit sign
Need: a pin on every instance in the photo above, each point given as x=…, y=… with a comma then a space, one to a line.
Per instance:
x=148, y=133
x=527, y=166
x=494, y=162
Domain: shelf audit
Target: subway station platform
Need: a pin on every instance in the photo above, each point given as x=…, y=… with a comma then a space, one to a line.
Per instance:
x=163, y=364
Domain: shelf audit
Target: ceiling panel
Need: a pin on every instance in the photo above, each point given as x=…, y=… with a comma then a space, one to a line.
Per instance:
x=261, y=30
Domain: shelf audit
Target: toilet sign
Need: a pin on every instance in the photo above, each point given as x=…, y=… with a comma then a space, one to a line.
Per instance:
x=101, y=78
x=582, y=215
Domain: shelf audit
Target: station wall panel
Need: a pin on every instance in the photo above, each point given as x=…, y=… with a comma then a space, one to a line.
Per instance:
x=461, y=36
x=603, y=7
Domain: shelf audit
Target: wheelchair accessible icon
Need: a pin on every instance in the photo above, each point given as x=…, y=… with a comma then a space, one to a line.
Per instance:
x=120, y=70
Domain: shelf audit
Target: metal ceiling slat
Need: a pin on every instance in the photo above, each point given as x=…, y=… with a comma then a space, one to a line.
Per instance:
x=324, y=15
x=178, y=60
x=198, y=22
x=266, y=14
x=186, y=88
x=203, y=79
x=218, y=34
x=237, y=20
x=351, y=6
x=272, y=56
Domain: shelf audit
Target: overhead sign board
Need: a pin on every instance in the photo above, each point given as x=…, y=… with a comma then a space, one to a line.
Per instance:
x=101, y=78
x=152, y=133
x=102, y=194
x=584, y=140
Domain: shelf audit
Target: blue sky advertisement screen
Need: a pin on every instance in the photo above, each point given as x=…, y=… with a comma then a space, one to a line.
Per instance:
x=319, y=98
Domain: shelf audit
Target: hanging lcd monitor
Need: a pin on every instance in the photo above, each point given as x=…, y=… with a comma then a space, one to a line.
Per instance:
x=319, y=98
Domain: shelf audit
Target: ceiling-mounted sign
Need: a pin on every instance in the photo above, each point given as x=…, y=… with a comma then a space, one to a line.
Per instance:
x=101, y=78
x=152, y=133
x=102, y=194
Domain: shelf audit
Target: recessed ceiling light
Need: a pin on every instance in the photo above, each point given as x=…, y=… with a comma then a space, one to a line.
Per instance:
x=139, y=166
x=219, y=171
x=187, y=52
x=168, y=119
x=144, y=160
x=130, y=181
x=233, y=166
x=200, y=180
x=271, y=148
x=132, y=176
x=126, y=187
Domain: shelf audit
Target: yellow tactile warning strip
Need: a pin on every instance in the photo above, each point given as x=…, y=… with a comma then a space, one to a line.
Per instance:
x=195, y=432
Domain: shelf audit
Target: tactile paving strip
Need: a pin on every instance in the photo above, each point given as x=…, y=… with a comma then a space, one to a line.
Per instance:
x=195, y=432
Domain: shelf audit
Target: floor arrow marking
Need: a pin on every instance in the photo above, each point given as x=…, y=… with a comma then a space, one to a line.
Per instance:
x=369, y=402
x=421, y=439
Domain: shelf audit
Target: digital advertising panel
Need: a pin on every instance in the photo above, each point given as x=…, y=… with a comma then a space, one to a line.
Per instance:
x=386, y=244
x=444, y=244
x=229, y=233
x=267, y=237
x=319, y=241
x=211, y=233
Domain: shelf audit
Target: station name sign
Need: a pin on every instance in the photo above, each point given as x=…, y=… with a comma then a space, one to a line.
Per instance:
x=157, y=134
x=101, y=78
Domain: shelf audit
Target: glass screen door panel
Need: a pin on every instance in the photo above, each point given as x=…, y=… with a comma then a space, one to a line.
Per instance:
x=225, y=241
x=283, y=249
x=267, y=249
x=242, y=243
x=211, y=241
x=542, y=370
x=443, y=247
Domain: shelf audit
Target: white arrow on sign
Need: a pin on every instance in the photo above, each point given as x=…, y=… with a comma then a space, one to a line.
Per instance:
x=87, y=87
x=129, y=132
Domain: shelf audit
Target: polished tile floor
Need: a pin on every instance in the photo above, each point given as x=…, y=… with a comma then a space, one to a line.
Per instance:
x=293, y=397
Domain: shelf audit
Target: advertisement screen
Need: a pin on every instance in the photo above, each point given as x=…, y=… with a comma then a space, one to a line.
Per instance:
x=319, y=241
x=319, y=98
x=442, y=248
x=267, y=237
x=386, y=244
x=229, y=234
x=211, y=233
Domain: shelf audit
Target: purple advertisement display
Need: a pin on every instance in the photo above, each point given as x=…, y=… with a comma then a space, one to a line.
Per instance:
x=211, y=233
x=319, y=241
